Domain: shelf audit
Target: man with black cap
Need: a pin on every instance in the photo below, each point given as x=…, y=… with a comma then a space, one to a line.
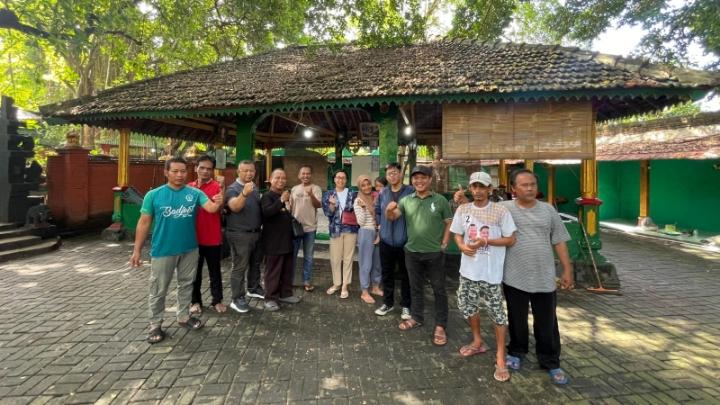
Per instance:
x=427, y=217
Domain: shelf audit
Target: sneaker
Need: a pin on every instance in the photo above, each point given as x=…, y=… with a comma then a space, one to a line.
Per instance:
x=293, y=299
x=271, y=306
x=258, y=293
x=239, y=305
x=405, y=315
x=383, y=310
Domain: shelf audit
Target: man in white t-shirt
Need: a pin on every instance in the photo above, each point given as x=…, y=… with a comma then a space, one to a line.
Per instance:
x=305, y=199
x=482, y=229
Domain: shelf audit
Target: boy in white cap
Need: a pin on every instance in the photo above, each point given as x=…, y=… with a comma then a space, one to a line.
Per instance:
x=482, y=229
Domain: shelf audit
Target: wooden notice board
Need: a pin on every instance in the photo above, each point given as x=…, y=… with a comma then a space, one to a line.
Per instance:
x=536, y=130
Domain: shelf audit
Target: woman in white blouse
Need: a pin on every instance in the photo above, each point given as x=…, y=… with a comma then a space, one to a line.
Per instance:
x=368, y=252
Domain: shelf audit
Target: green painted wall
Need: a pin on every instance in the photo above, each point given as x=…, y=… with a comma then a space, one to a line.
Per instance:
x=682, y=192
x=567, y=184
x=686, y=193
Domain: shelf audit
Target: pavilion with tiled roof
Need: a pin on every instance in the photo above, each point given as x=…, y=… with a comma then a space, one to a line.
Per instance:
x=331, y=88
x=473, y=100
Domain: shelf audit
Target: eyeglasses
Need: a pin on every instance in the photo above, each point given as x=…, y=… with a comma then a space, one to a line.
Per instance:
x=392, y=173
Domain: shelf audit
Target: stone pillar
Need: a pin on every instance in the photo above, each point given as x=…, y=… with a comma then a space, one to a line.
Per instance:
x=116, y=231
x=386, y=116
x=644, y=220
x=68, y=186
x=5, y=115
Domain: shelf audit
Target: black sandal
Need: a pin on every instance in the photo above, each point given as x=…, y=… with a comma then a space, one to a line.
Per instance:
x=156, y=335
x=191, y=323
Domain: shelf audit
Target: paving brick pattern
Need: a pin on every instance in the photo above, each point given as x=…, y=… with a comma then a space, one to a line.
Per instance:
x=75, y=323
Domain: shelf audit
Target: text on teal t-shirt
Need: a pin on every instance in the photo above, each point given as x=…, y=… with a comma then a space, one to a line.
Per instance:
x=173, y=213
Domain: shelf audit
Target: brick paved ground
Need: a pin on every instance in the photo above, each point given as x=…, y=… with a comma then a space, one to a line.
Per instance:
x=74, y=324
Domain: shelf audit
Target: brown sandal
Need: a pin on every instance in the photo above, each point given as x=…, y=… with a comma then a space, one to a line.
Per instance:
x=470, y=350
x=409, y=324
x=501, y=374
x=196, y=309
x=439, y=338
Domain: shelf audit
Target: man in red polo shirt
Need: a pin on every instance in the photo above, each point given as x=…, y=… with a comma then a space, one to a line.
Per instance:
x=209, y=237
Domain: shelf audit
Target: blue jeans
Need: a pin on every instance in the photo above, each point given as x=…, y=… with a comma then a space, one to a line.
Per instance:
x=308, y=242
x=368, y=258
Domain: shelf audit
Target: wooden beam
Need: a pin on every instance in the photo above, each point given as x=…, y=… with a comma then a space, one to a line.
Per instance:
x=305, y=124
x=186, y=123
x=330, y=122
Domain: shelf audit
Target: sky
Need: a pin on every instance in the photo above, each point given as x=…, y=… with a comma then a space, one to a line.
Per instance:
x=624, y=40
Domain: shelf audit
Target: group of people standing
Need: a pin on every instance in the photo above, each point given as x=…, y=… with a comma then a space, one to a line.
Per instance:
x=401, y=232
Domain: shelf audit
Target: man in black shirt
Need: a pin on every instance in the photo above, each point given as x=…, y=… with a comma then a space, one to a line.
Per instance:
x=277, y=242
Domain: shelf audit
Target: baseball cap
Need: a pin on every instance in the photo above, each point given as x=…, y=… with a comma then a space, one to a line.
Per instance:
x=480, y=177
x=422, y=170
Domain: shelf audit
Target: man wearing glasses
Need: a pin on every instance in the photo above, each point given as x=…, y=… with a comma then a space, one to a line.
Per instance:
x=393, y=237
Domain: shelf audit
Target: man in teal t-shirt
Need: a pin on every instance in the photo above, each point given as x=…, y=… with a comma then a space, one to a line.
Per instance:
x=171, y=209
x=427, y=219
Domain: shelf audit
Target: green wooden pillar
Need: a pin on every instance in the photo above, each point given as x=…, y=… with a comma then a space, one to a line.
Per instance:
x=386, y=116
x=245, y=138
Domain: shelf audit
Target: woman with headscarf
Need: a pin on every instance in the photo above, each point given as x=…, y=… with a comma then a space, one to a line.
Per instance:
x=368, y=252
x=338, y=207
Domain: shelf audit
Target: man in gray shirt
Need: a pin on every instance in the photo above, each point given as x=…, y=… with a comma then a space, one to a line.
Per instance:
x=529, y=276
x=242, y=228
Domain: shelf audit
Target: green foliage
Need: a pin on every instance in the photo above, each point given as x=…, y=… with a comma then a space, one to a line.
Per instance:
x=679, y=110
x=482, y=19
x=672, y=27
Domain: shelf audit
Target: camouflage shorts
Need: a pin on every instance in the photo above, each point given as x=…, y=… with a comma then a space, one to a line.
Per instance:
x=472, y=293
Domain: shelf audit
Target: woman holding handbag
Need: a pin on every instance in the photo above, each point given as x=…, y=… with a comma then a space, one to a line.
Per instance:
x=338, y=207
x=368, y=239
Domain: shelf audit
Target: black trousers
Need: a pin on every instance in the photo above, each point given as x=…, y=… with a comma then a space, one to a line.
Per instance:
x=212, y=255
x=278, y=276
x=390, y=257
x=424, y=267
x=545, y=325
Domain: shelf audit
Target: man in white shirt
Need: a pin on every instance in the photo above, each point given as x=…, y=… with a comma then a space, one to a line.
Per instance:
x=305, y=199
x=482, y=230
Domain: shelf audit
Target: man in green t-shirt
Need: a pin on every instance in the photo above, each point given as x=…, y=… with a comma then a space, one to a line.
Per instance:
x=171, y=209
x=427, y=218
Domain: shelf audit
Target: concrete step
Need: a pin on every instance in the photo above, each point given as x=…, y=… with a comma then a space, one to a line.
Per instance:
x=45, y=245
x=4, y=226
x=14, y=233
x=17, y=242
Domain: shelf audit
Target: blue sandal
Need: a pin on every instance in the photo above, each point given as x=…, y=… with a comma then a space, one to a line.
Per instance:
x=558, y=376
x=513, y=362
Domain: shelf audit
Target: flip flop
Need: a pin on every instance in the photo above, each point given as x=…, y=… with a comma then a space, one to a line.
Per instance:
x=558, y=376
x=156, y=335
x=196, y=309
x=309, y=287
x=409, y=324
x=513, y=362
x=367, y=299
x=439, y=339
x=220, y=308
x=470, y=350
x=501, y=374
x=191, y=323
